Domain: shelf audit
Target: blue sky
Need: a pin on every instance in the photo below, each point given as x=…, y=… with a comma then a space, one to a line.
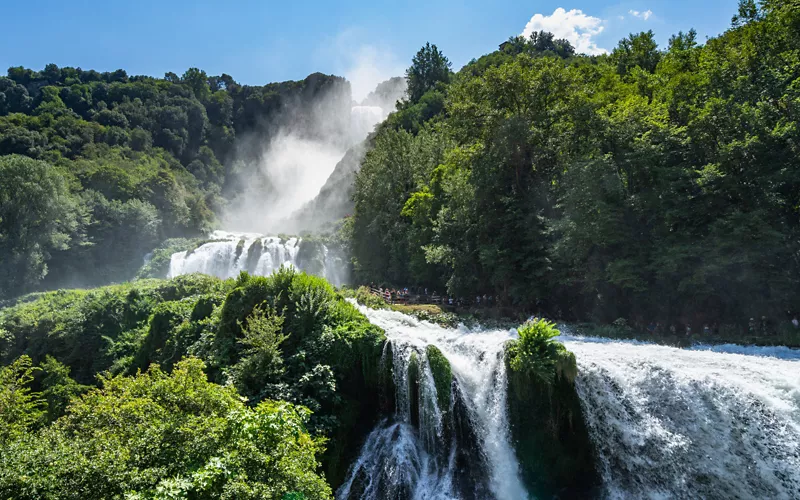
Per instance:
x=259, y=42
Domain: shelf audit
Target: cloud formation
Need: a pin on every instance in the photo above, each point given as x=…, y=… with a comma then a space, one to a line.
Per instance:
x=572, y=25
x=641, y=15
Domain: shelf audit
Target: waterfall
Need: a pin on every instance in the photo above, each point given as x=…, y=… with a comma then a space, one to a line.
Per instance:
x=428, y=452
x=711, y=422
x=363, y=120
x=227, y=254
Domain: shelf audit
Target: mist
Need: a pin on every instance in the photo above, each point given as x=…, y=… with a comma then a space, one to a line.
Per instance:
x=280, y=172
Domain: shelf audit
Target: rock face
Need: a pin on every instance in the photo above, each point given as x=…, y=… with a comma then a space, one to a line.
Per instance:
x=549, y=433
x=335, y=199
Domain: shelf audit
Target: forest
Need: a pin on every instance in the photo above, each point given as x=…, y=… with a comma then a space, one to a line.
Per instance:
x=649, y=184
x=97, y=169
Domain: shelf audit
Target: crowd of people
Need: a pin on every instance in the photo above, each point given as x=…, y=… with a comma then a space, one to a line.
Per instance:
x=423, y=295
x=754, y=327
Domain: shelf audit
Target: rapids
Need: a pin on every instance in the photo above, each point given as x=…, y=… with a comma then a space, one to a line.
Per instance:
x=706, y=422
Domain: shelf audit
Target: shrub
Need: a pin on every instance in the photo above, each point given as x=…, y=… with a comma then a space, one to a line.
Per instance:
x=540, y=357
x=157, y=435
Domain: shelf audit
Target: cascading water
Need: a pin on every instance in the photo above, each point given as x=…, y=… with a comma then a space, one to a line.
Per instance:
x=676, y=423
x=706, y=422
x=363, y=120
x=232, y=253
x=428, y=452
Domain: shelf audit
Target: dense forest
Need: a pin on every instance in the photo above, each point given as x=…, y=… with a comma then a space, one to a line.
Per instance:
x=96, y=169
x=653, y=184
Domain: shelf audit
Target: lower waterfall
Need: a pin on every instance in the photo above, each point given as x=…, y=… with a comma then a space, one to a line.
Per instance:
x=678, y=423
x=428, y=452
x=706, y=422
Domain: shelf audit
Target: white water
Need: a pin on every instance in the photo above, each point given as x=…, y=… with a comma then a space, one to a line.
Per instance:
x=677, y=423
x=706, y=422
x=404, y=461
x=226, y=258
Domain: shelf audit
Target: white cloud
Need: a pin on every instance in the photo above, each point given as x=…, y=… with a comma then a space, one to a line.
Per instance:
x=573, y=25
x=641, y=15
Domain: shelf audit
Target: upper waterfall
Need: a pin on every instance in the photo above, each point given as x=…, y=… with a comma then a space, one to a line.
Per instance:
x=230, y=253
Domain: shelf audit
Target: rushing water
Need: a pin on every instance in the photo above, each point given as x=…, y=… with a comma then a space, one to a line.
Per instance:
x=232, y=253
x=700, y=423
x=707, y=422
x=427, y=452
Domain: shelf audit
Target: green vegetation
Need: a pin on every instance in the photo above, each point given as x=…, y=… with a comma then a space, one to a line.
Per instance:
x=157, y=435
x=288, y=337
x=442, y=376
x=97, y=168
x=650, y=184
x=549, y=433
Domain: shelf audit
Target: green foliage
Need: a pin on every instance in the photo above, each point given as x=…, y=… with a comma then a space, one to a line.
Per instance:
x=287, y=337
x=536, y=355
x=37, y=217
x=156, y=435
x=130, y=161
x=365, y=297
x=58, y=388
x=429, y=67
x=91, y=331
x=646, y=184
x=261, y=358
x=19, y=408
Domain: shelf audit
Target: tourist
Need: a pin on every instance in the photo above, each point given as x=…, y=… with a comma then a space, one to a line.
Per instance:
x=795, y=323
x=706, y=330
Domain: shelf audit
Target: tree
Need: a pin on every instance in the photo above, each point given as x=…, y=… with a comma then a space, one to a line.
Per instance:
x=428, y=68
x=37, y=217
x=637, y=50
x=19, y=407
x=197, y=80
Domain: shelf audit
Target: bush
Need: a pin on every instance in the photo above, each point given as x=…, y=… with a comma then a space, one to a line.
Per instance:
x=540, y=357
x=159, y=435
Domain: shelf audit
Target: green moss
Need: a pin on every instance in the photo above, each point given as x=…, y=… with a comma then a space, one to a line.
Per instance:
x=442, y=376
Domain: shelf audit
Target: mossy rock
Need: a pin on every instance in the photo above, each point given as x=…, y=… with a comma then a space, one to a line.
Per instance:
x=413, y=388
x=253, y=256
x=442, y=376
x=387, y=386
x=239, y=250
x=548, y=430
